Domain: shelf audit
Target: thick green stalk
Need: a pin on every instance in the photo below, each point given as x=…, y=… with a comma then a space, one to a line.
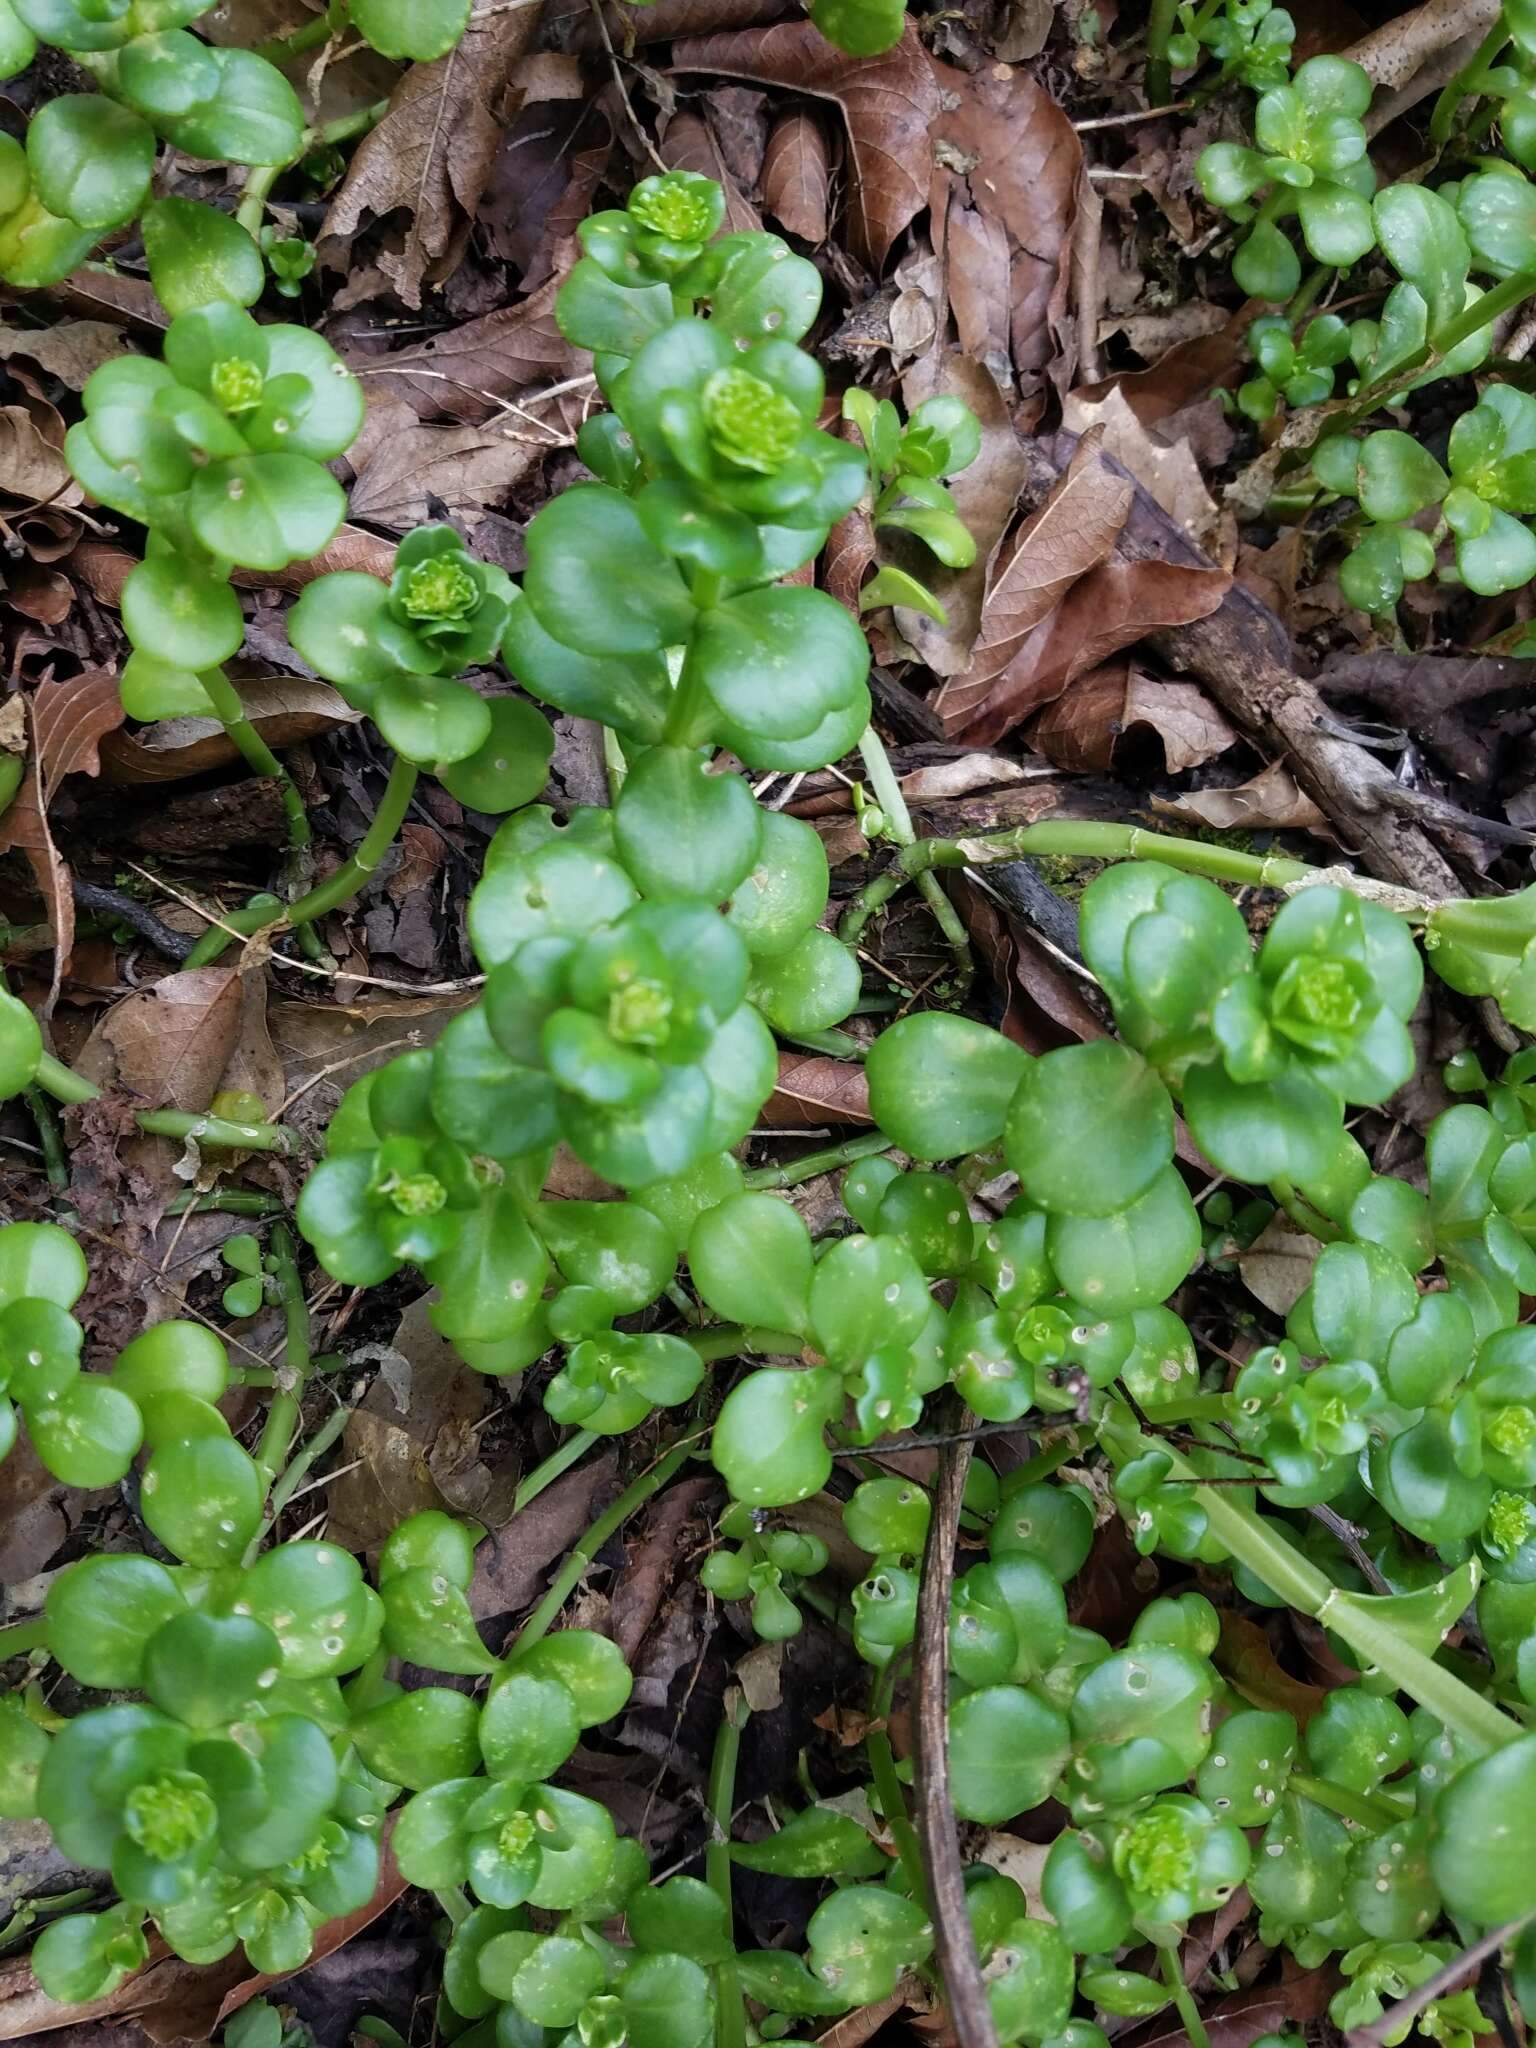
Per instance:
x=561, y=1459
x=1301, y=1585
x=1189, y=2012
x=1072, y=839
x=1370, y=1809
x=837, y=1045
x=309, y=37
x=256, y=754
x=1159, y=73
x=731, y=2017
x=827, y=1161
x=579, y=1559
x=335, y=890
x=731, y=1340
x=225, y=1201
x=55, y=1158
x=1467, y=80
x=17, y=1637
x=888, y=1787
x=882, y=780
x=65, y=1085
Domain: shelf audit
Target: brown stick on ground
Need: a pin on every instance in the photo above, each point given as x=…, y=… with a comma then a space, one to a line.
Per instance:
x=964, y=1991
x=1242, y=655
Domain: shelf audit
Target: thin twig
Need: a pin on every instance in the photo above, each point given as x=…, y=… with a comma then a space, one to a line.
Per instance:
x=623, y=90
x=964, y=1988
x=1130, y=120
x=1393, y=2024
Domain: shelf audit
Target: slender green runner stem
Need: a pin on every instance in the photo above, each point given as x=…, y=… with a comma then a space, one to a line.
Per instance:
x=1370, y=1809
x=731, y=2013
x=1159, y=73
x=579, y=1560
x=335, y=890
x=225, y=1201
x=882, y=780
x=1076, y=840
x=283, y=1415
x=63, y=1083
x=256, y=754
x=730, y=1340
x=888, y=1786
x=561, y=1459
x=347, y=127
x=19, y=1636
x=221, y=1131
x=1467, y=80
x=838, y=1045
x=252, y=209
x=827, y=1161
x=1189, y=2012
x=55, y=1158
x=309, y=37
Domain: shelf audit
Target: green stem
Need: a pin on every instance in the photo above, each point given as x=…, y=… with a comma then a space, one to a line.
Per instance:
x=1467, y=80
x=888, y=1787
x=251, y=211
x=1297, y=1581
x=16, y=1637
x=55, y=1158
x=560, y=1460
x=579, y=1560
x=1159, y=75
x=1189, y=2012
x=1368, y=1808
x=731, y=2016
x=838, y=1045
x=1075, y=840
x=1306, y=294
x=336, y=889
x=255, y=752
x=228, y=1202
x=286, y=1484
x=309, y=37
x=826, y=1161
x=221, y=1131
x=347, y=127
x=283, y=1415
x=63, y=1083
x=882, y=780
x=731, y=1340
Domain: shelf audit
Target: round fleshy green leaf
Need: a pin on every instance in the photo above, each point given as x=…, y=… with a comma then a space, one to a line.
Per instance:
x=769, y=1441
x=312, y=1596
x=197, y=254
x=202, y=1497
x=863, y=1938
x=420, y=1738
x=940, y=1085
x=1006, y=1752
x=1480, y=1855
x=1089, y=1129
x=86, y=1956
x=253, y=118
x=1284, y=1129
x=173, y=1357
x=786, y=892
x=867, y=1293
x=102, y=1613
x=91, y=160
x=180, y=615
x=413, y=31
x=1425, y=243
x=21, y=1048
x=811, y=987
x=1132, y=1259
x=1398, y=477
x=528, y=1727
x=152, y=689
x=431, y=719
x=592, y=1670
x=683, y=832
x=87, y=1436
x=1266, y=266
x=510, y=766
x=265, y=511
x=778, y=660
x=208, y=1669
x=597, y=582
x=39, y=1261
x=751, y=1261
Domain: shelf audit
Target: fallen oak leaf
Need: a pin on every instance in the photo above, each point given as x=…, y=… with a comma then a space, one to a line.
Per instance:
x=431, y=155
x=888, y=103
x=1071, y=533
x=168, y=1044
x=815, y=1089
x=1271, y=799
x=403, y=467
x=470, y=372
x=71, y=350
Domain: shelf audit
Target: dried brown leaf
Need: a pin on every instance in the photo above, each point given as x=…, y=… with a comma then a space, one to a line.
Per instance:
x=986, y=496
x=430, y=156
x=71, y=350
x=401, y=465
x=815, y=1089
x=169, y=1044
x=888, y=102
x=570, y=24
x=849, y=553
x=283, y=709
x=510, y=1568
x=1277, y=1266
x=325, y=1047
x=1114, y=606
x=1168, y=471
x=1078, y=733
x=1191, y=728
x=1267, y=799
x=797, y=175
x=1190, y=369
x=690, y=144
x=32, y=465
x=1017, y=157
x=1070, y=534
x=468, y=373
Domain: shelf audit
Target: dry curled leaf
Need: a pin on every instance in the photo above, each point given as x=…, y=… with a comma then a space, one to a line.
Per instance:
x=815, y=1089
x=168, y=1045
x=1070, y=534
x=1167, y=470
x=888, y=102
x=1269, y=799
x=32, y=465
x=469, y=373
x=71, y=350
x=1014, y=160
x=429, y=157
x=797, y=175
x=401, y=466
x=283, y=709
